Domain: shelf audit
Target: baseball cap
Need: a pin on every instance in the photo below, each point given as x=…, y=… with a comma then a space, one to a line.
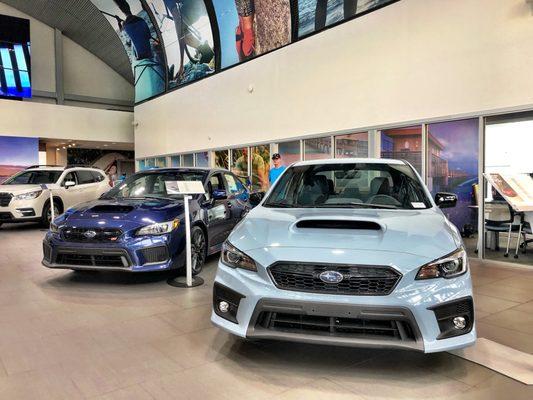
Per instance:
x=275, y=156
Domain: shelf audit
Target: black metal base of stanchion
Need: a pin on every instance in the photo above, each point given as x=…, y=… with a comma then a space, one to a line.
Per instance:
x=181, y=282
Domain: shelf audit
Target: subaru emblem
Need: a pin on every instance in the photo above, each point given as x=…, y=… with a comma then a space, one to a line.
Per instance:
x=90, y=234
x=331, y=277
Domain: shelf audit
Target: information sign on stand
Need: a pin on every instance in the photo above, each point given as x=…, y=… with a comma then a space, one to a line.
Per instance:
x=186, y=188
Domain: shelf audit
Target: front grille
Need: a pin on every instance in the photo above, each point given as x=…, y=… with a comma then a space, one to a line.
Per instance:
x=6, y=216
x=5, y=199
x=97, y=235
x=97, y=259
x=358, y=280
x=153, y=255
x=357, y=328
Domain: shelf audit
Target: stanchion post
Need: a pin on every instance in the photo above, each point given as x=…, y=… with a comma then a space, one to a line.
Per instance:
x=186, y=199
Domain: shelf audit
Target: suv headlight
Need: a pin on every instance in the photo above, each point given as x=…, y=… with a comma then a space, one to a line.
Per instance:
x=450, y=266
x=28, y=196
x=159, y=228
x=234, y=258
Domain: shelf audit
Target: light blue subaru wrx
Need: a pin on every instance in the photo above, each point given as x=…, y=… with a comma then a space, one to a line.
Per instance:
x=348, y=252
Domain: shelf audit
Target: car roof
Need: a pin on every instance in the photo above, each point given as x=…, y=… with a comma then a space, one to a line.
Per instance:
x=44, y=168
x=351, y=161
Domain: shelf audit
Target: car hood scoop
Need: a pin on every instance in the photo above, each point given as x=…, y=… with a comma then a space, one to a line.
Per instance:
x=422, y=232
x=338, y=224
x=112, y=208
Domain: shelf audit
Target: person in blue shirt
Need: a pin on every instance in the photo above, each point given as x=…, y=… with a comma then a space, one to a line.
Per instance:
x=277, y=170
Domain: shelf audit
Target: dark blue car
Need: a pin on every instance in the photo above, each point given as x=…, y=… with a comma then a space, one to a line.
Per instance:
x=137, y=226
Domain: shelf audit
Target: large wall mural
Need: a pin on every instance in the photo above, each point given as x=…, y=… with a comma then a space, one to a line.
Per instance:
x=172, y=43
x=17, y=153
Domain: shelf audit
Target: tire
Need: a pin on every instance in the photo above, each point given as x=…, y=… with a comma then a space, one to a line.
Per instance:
x=198, y=249
x=46, y=215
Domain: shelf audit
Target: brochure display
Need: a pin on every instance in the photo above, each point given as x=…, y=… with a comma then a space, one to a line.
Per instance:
x=186, y=188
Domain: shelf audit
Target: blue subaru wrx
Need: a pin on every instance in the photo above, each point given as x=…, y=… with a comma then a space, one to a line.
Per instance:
x=138, y=226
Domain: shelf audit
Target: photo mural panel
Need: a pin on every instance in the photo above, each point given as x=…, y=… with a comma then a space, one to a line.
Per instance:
x=17, y=153
x=315, y=15
x=249, y=28
x=133, y=24
x=187, y=38
x=15, y=62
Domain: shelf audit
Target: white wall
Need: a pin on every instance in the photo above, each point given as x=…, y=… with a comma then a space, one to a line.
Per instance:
x=21, y=118
x=413, y=60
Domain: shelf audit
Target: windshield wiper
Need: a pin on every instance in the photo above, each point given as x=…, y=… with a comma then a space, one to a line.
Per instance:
x=357, y=205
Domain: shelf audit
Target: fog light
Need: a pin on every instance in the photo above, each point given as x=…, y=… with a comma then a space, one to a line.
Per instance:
x=223, y=306
x=459, y=323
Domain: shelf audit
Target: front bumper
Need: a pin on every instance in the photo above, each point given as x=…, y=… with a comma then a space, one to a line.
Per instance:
x=22, y=210
x=126, y=256
x=409, y=305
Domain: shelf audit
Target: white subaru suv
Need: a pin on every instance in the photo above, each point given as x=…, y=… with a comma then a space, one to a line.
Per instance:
x=25, y=197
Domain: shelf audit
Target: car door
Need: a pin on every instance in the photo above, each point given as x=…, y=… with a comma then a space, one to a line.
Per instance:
x=86, y=185
x=237, y=198
x=218, y=213
x=70, y=195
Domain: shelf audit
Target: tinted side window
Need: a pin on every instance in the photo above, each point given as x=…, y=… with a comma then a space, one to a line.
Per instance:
x=216, y=183
x=85, y=177
x=69, y=177
x=234, y=185
x=98, y=177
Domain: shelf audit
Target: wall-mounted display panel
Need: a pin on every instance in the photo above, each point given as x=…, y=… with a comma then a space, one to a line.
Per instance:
x=16, y=153
x=249, y=28
x=289, y=152
x=15, y=63
x=222, y=159
x=133, y=24
x=315, y=15
x=187, y=37
x=260, y=167
x=317, y=148
x=187, y=160
x=201, y=159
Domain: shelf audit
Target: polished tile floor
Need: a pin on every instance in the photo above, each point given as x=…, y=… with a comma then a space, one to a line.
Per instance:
x=66, y=335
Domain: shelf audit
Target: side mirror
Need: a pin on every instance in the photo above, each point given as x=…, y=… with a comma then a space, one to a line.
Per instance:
x=256, y=197
x=69, y=184
x=219, y=194
x=446, y=200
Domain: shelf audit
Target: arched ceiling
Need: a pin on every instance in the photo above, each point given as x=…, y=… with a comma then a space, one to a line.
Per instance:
x=82, y=22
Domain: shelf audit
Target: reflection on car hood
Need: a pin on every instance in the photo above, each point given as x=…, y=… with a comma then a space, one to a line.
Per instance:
x=425, y=233
x=141, y=211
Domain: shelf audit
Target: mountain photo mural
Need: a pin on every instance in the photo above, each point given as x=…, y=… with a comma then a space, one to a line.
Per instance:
x=17, y=153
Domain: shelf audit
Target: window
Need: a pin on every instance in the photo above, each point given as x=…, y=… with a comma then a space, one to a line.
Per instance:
x=98, y=177
x=239, y=162
x=70, y=177
x=222, y=159
x=358, y=185
x=202, y=159
x=234, y=185
x=215, y=183
x=317, y=149
x=403, y=144
x=84, y=177
x=175, y=161
x=260, y=167
x=187, y=160
x=161, y=162
x=289, y=152
x=34, y=178
x=352, y=145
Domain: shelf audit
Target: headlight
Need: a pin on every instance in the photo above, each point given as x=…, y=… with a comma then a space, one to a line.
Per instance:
x=159, y=229
x=450, y=266
x=28, y=196
x=54, y=228
x=234, y=258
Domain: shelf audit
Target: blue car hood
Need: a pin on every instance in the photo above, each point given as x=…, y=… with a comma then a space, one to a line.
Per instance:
x=124, y=212
x=422, y=233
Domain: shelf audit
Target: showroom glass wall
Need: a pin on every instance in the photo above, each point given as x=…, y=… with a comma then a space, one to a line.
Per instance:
x=445, y=153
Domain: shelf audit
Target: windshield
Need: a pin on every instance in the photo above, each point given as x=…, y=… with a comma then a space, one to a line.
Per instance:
x=34, y=178
x=152, y=184
x=361, y=185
